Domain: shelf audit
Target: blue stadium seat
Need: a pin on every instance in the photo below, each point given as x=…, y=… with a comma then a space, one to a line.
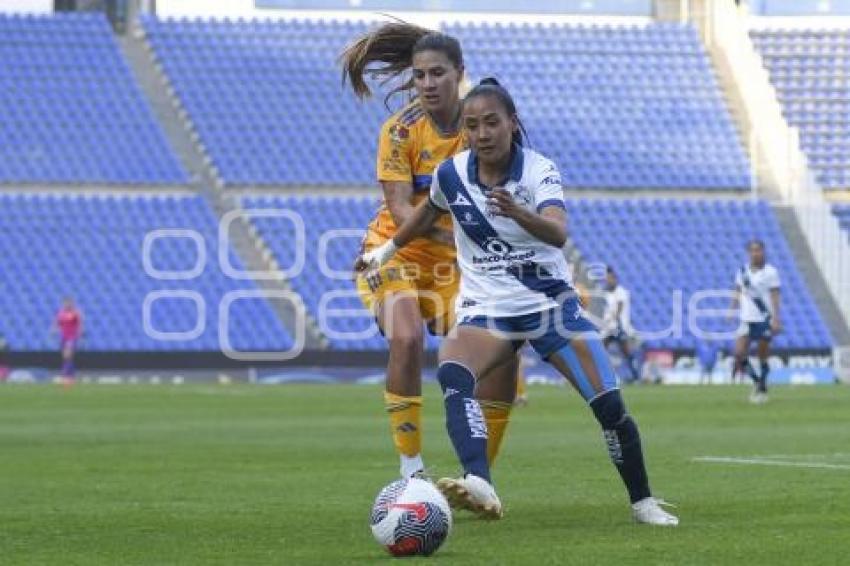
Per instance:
x=808, y=68
x=70, y=111
x=659, y=246
x=90, y=247
x=664, y=245
x=614, y=106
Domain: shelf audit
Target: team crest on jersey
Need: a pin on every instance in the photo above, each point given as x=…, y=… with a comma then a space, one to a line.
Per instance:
x=425, y=155
x=522, y=195
x=398, y=133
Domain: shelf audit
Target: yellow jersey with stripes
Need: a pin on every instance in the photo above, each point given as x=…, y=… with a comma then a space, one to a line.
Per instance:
x=409, y=148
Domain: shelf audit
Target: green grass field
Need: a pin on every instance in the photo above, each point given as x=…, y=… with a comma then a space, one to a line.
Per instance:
x=287, y=474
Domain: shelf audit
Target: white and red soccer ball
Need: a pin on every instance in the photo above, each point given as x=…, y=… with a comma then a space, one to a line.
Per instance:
x=411, y=517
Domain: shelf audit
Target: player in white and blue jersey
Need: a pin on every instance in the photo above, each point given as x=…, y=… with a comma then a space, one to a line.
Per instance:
x=757, y=293
x=616, y=322
x=507, y=206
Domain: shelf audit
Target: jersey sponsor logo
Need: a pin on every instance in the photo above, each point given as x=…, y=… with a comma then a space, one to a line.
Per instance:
x=394, y=164
x=500, y=251
x=468, y=219
x=374, y=280
x=551, y=180
x=497, y=246
x=468, y=303
x=503, y=258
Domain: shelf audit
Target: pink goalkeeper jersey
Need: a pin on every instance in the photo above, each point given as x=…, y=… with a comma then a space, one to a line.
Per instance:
x=68, y=321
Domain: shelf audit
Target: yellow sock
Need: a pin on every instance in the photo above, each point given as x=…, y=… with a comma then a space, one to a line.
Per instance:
x=520, y=385
x=405, y=422
x=496, y=414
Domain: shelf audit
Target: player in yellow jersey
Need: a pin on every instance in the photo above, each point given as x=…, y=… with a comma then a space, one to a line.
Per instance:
x=420, y=284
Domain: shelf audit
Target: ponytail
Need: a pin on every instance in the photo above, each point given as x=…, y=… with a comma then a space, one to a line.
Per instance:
x=394, y=44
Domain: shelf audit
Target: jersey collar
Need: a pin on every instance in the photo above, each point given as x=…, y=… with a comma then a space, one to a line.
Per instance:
x=514, y=171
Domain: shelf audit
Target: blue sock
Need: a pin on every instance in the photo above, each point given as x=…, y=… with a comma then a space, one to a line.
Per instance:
x=68, y=368
x=464, y=420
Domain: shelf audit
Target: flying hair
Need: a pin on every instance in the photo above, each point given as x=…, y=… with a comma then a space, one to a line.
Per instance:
x=392, y=47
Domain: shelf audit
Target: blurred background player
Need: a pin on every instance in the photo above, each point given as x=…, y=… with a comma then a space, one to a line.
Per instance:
x=4, y=368
x=706, y=355
x=69, y=324
x=616, y=327
x=757, y=293
x=421, y=283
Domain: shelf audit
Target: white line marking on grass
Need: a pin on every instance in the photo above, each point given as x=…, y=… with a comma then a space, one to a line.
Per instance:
x=806, y=457
x=768, y=462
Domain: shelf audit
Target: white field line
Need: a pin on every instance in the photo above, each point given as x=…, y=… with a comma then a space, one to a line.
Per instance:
x=841, y=456
x=769, y=462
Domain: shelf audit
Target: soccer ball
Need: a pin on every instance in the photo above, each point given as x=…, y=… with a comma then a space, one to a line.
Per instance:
x=411, y=517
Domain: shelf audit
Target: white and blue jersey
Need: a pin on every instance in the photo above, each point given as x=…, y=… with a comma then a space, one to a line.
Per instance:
x=755, y=286
x=505, y=270
x=756, y=307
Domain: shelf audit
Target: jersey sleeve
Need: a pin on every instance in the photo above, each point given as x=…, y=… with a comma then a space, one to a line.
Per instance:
x=739, y=282
x=548, y=190
x=436, y=196
x=394, y=150
x=773, y=281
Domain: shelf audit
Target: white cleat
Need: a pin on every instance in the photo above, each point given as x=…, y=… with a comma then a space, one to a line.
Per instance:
x=758, y=398
x=649, y=511
x=473, y=494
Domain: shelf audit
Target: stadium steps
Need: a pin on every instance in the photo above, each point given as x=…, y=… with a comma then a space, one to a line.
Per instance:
x=174, y=121
x=170, y=118
x=812, y=275
x=736, y=110
x=256, y=255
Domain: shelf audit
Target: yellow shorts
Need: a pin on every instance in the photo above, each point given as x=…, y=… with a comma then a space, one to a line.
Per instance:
x=434, y=287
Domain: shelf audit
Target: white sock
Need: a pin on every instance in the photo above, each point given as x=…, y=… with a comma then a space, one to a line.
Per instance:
x=410, y=465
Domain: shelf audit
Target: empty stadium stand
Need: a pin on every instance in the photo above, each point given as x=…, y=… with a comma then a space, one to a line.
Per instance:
x=69, y=109
x=809, y=69
x=91, y=248
x=616, y=107
x=658, y=246
x=266, y=100
x=621, y=107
